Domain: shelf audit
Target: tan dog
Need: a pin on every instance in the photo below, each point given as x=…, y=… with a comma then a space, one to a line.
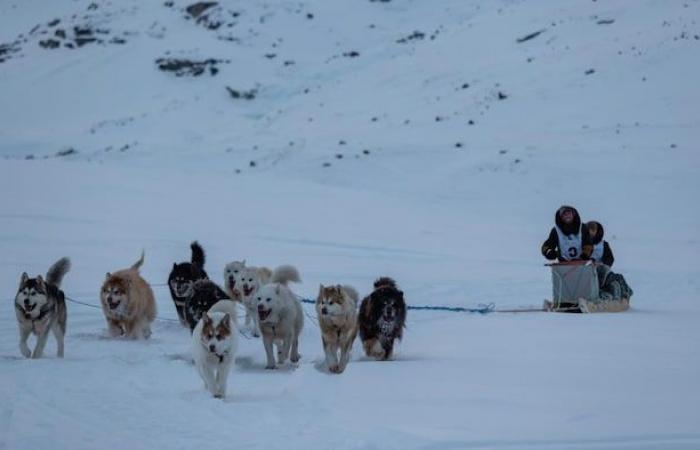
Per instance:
x=128, y=303
x=336, y=307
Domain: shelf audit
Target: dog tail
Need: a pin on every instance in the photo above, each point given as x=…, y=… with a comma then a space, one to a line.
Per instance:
x=285, y=274
x=138, y=263
x=384, y=282
x=226, y=307
x=56, y=272
x=197, y=255
x=352, y=293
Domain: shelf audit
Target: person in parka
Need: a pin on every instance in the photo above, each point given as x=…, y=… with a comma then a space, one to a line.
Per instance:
x=568, y=240
x=602, y=253
x=614, y=291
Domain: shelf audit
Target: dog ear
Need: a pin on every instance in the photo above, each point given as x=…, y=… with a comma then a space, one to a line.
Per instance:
x=320, y=291
x=174, y=266
x=39, y=280
x=23, y=279
x=108, y=275
x=226, y=322
x=206, y=318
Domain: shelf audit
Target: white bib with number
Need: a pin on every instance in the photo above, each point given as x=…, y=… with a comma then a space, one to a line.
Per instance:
x=569, y=245
x=598, y=250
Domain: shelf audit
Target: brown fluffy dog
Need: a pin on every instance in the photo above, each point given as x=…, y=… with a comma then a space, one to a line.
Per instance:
x=336, y=307
x=128, y=303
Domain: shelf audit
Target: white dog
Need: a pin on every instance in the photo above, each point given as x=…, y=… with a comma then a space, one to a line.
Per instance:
x=251, y=280
x=232, y=279
x=280, y=316
x=214, y=344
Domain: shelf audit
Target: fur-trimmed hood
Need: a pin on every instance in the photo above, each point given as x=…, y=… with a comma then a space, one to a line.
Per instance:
x=572, y=228
x=596, y=238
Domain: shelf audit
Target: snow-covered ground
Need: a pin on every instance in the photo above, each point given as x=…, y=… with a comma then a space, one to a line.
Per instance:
x=406, y=138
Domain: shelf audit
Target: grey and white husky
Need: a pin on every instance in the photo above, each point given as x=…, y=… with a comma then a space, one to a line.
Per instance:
x=41, y=307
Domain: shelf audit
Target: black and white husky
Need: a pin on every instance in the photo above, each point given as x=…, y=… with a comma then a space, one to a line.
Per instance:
x=41, y=307
x=182, y=278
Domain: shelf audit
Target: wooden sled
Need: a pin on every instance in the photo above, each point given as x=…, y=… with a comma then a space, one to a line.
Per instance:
x=589, y=306
x=575, y=289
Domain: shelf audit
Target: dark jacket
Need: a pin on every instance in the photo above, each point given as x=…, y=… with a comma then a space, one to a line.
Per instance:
x=550, y=247
x=608, y=259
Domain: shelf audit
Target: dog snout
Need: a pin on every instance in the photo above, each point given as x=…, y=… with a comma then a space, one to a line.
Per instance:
x=212, y=348
x=26, y=302
x=231, y=281
x=324, y=310
x=261, y=308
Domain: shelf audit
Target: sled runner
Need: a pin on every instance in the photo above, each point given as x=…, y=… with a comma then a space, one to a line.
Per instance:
x=576, y=289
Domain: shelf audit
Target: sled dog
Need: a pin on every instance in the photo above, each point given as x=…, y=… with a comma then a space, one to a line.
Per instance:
x=336, y=307
x=214, y=344
x=128, y=303
x=41, y=307
x=280, y=316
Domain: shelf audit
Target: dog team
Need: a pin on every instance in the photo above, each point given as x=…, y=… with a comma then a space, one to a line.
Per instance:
x=273, y=312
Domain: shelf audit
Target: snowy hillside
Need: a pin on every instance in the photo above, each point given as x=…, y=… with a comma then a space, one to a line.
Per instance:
x=428, y=141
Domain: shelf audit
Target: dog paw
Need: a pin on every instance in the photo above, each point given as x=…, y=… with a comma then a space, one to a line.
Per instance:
x=270, y=367
x=295, y=358
x=334, y=369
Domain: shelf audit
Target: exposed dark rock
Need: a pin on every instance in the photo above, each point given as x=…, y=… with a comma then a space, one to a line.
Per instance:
x=245, y=95
x=60, y=33
x=82, y=41
x=502, y=96
x=351, y=54
x=82, y=31
x=606, y=21
x=415, y=36
x=49, y=43
x=196, y=9
x=186, y=67
x=529, y=36
x=590, y=72
x=54, y=22
x=66, y=152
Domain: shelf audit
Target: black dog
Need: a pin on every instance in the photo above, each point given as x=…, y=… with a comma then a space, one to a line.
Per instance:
x=382, y=319
x=205, y=294
x=182, y=278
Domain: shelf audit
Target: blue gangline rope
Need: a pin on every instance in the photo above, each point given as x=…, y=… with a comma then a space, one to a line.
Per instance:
x=480, y=309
